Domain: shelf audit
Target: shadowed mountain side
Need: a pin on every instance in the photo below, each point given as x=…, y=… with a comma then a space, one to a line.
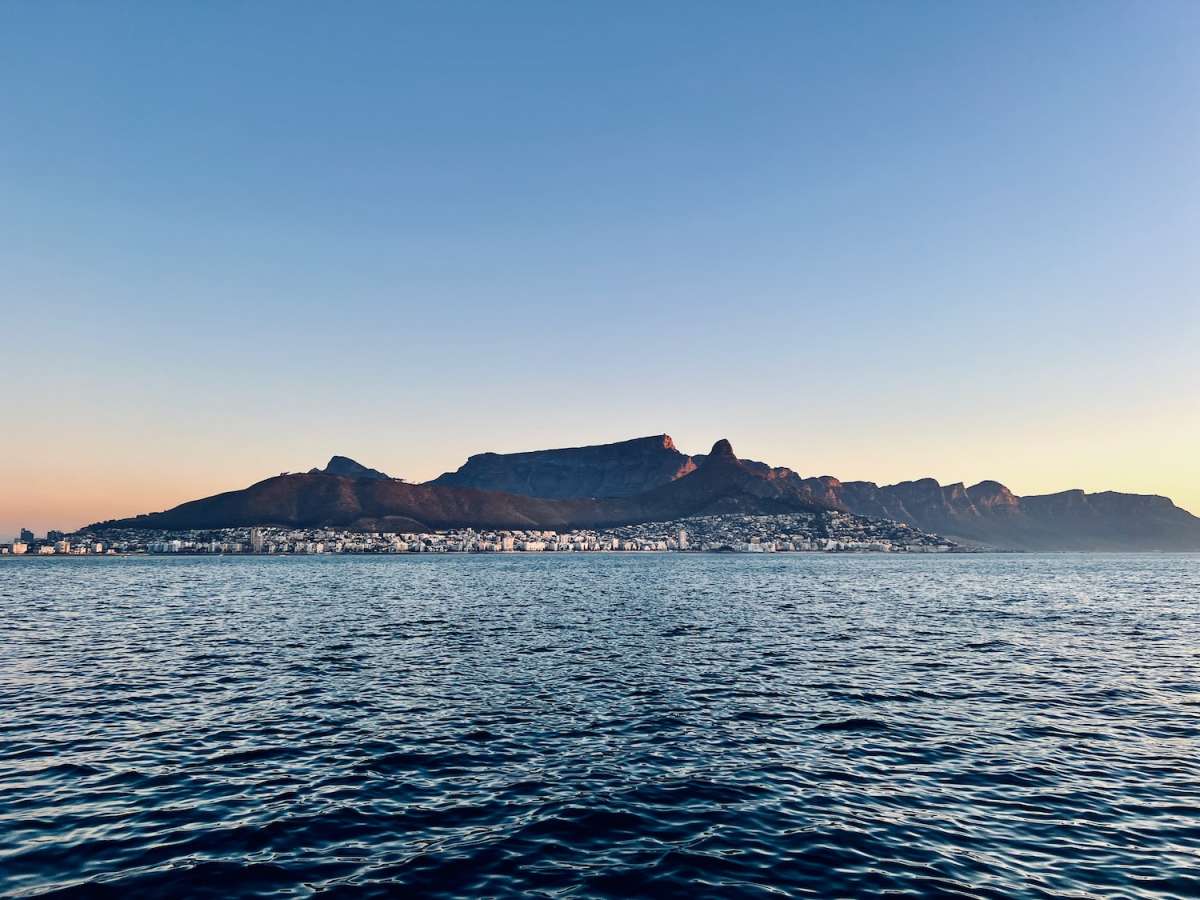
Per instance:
x=622, y=469
x=316, y=499
x=1073, y=520
x=722, y=484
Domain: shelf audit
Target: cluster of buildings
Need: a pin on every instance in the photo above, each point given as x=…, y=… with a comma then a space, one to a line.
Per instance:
x=831, y=532
x=55, y=543
x=799, y=532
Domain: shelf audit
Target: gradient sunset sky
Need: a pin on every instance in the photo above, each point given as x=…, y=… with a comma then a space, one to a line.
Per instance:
x=872, y=240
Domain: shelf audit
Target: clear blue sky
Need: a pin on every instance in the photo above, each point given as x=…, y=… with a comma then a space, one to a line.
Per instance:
x=875, y=240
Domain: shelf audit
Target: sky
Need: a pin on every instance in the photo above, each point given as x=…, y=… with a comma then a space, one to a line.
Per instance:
x=874, y=240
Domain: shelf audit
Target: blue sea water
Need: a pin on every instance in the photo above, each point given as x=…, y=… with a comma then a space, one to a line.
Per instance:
x=601, y=726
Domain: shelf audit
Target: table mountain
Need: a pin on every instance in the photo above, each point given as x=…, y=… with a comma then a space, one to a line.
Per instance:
x=622, y=469
x=721, y=483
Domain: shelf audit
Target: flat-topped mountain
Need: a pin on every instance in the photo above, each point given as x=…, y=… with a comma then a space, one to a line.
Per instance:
x=986, y=513
x=721, y=483
x=622, y=469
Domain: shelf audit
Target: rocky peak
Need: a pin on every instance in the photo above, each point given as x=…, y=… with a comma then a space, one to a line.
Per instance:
x=992, y=495
x=722, y=449
x=348, y=468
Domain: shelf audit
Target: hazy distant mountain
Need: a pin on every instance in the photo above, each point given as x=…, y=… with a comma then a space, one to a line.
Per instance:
x=721, y=484
x=989, y=513
x=986, y=513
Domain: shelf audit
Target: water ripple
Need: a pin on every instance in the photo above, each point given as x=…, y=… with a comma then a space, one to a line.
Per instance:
x=601, y=726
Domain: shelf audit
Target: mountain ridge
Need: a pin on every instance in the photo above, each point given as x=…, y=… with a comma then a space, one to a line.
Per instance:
x=986, y=513
x=649, y=478
x=320, y=498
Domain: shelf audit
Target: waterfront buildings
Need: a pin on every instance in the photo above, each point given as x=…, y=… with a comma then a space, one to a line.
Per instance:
x=791, y=533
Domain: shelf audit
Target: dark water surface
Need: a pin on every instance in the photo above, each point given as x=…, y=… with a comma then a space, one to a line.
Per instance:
x=601, y=725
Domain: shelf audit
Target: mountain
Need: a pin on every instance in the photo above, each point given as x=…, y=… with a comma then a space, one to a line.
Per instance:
x=721, y=483
x=649, y=479
x=623, y=469
x=987, y=513
x=1109, y=521
x=990, y=514
x=344, y=465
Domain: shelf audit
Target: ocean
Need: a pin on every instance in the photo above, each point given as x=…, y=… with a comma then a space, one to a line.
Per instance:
x=601, y=725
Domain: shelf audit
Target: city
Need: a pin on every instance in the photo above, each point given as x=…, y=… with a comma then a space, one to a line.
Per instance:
x=797, y=532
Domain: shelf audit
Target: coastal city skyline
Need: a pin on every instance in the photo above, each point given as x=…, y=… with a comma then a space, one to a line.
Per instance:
x=807, y=533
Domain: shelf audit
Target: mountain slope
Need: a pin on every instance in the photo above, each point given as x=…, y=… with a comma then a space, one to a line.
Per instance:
x=721, y=484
